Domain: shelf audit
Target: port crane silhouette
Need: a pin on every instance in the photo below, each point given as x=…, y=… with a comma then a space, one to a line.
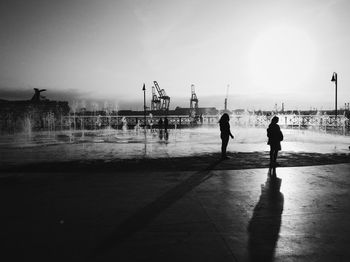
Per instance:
x=193, y=102
x=225, y=104
x=155, y=104
x=161, y=102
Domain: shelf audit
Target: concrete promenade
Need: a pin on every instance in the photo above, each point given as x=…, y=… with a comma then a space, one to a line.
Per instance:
x=207, y=215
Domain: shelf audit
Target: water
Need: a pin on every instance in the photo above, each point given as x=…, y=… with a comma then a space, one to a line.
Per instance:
x=109, y=144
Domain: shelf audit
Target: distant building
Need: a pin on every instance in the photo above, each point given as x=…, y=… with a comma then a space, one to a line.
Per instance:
x=13, y=114
x=201, y=111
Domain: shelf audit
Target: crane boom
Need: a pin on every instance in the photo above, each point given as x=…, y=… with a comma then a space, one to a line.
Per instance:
x=155, y=104
x=165, y=100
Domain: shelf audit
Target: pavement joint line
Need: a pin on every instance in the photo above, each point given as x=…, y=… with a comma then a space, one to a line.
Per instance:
x=215, y=227
x=315, y=213
x=179, y=223
x=144, y=216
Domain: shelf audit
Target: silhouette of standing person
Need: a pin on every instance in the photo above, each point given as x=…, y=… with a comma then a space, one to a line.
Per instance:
x=160, y=124
x=166, y=123
x=275, y=137
x=225, y=134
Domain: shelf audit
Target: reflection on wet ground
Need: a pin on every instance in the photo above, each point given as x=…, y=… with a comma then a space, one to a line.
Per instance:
x=111, y=144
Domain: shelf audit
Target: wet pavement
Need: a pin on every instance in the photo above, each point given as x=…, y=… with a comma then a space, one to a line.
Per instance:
x=110, y=144
x=205, y=215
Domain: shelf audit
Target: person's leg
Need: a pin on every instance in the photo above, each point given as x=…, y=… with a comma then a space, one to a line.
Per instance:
x=224, y=146
x=275, y=154
x=271, y=157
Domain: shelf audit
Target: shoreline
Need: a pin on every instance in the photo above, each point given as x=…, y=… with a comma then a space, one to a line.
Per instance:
x=211, y=161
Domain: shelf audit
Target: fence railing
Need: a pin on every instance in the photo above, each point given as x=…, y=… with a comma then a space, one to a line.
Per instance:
x=91, y=122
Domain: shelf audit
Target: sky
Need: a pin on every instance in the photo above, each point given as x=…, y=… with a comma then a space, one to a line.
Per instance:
x=262, y=52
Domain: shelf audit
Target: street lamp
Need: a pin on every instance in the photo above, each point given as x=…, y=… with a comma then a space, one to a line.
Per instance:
x=144, y=104
x=335, y=79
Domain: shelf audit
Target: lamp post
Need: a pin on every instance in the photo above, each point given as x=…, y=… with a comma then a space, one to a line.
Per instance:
x=144, y=104
x=335, y=79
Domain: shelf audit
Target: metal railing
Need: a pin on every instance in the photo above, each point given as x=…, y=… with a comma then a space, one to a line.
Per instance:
x=92, y=122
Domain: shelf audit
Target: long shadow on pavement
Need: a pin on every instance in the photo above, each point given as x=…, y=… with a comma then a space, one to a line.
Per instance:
x=265, y=224
x=145, y=215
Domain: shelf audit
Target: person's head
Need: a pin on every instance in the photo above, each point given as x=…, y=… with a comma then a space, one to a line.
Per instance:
x=224, y=118
x=274, y=120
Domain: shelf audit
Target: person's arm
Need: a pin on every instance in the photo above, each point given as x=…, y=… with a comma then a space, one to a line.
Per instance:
x=281, y=135
x=229, y=130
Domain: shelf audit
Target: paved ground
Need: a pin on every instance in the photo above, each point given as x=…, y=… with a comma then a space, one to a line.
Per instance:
x=207, y=215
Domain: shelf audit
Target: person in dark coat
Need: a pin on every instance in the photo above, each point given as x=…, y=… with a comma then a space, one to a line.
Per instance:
x=275, y=136
x=166, y=123
x=225, y=134
x=160, y=124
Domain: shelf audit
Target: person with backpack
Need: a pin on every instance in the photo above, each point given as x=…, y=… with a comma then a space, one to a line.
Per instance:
x=275, y=136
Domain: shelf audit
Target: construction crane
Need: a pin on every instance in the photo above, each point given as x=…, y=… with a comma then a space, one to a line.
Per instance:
x=155, y=103
x=164, y=99
x=37, y=95
x=193, y=102
x=228, y=86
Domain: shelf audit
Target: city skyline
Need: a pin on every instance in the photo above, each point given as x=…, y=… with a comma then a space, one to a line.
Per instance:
x=93, y=51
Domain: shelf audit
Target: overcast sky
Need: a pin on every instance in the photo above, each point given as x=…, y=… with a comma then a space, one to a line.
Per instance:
x=267, y=51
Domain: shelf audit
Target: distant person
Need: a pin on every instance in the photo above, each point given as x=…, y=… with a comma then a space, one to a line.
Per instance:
x=166, y=123
x=150, y=122
x=161, y=134
x=225, y=134
x=160, y=124
x=275, y=137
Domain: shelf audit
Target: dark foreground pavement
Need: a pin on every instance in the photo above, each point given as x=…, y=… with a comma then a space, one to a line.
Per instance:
x=207, y=215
